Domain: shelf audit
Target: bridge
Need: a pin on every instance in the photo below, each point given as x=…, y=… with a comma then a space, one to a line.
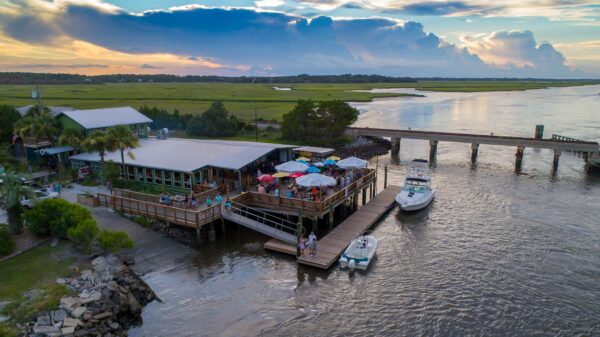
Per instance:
x=587, y=149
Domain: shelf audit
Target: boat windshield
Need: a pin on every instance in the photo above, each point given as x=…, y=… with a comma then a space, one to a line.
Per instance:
x=415, y=186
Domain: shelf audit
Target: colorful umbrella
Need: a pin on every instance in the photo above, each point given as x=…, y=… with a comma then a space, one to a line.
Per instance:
x=265, y=178
x=352, y=162
x=329, y=162
x=319, y=164
x=302, y=162
x=296, y=175
x=281, y=174
x=313, y=169
x=292, y=166
x=315, y=179
x=336, y=158
x=303, y=159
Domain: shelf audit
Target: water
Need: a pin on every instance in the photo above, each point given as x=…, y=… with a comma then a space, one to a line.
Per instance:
x=496, y=254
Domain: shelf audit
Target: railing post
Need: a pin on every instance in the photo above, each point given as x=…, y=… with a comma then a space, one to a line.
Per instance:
x=298, y=232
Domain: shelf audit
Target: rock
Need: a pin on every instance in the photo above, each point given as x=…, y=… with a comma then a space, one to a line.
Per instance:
x=108, y=334
x=58, y=315
x=43, y=320
x=103, y=315
x=72, y=322
x=47, y=329
x=81, y=333
x=77, y=312
x=87, y=297
x=129, y=260
x=61, y=281
x=87, y=316
x=114, y=326
x=68, y=303
x=54, y=242
x=68, y=330
x=134, y=305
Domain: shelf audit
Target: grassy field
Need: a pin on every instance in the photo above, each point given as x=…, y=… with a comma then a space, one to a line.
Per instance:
x=240, y=99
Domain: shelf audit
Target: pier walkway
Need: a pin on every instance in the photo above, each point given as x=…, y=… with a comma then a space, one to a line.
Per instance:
x=330, y=247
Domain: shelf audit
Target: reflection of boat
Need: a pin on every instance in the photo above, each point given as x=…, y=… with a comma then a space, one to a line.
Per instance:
x=416, y=193
x=359, y=253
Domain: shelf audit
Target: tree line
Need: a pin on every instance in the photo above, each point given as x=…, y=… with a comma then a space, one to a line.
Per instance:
x=49, y=78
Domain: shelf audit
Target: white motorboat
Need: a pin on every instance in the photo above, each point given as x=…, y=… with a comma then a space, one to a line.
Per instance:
x=359, y=253
x=417, y=192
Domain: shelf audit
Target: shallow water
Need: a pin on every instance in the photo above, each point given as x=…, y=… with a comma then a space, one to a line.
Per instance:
x=496, y=254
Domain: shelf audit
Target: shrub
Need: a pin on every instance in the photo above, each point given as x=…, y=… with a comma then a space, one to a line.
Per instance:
x=55, y=217
x=84, y=234
x=7, y=245
x=111, y=171
x=114, y=241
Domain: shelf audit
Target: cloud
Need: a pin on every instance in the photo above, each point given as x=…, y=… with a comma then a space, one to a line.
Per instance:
x=58, y=66
x=269, y=3
x=246, y=41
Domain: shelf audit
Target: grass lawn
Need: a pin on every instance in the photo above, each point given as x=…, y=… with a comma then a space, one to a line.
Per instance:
x=35, y=268
x=241, y=99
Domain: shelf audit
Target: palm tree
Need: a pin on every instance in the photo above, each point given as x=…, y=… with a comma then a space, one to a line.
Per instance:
x=24, y=127
x=41, y=125
x=11, y=193
x=123, y=139
x=98, y=141
x=72, y=136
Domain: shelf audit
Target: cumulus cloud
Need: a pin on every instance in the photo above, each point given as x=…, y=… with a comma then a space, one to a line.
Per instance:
x=261, y=42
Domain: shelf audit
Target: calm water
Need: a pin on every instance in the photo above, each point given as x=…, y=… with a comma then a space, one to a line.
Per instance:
x=496, y=254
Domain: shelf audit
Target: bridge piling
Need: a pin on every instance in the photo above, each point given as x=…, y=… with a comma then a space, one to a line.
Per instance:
x=474, y=152
x=519, y=158
x=557, y=154
x=432, y=151
x=396, y=146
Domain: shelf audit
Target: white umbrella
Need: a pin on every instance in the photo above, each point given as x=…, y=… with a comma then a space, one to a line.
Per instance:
x=352, y=162
x=291, y=167
x=315, y=179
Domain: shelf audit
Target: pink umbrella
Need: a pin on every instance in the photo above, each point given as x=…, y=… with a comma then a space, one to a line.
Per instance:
x=265, y=178
x=295, y=175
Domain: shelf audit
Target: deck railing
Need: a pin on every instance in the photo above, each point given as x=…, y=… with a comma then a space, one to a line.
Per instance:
x=180, y=216
x=264, y=218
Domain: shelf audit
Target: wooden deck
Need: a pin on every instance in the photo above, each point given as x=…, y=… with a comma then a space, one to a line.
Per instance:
x=330, y=247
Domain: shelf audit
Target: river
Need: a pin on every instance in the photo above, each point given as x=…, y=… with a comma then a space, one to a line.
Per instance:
x=496, y=254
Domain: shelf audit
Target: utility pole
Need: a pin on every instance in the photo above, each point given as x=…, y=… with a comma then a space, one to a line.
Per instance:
x=255, y=125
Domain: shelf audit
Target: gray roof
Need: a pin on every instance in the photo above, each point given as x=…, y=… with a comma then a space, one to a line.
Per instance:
x=103, y=118
x=315, y=150
x=54, y=110
x=187, y=155
x=54, y=150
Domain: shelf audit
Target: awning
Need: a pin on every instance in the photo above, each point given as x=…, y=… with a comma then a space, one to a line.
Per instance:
x=50, y=151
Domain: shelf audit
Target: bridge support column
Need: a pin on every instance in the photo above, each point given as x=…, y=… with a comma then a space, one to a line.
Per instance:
x=432, y=151
x=212, y=234
x=396, y=146
x=557, y=154
x=364, y=196
x=519, y=158
x=586, y=161
x=385, y=170
x=298, y=232
x=330, y=217
x=474, y=152
x=355, y=201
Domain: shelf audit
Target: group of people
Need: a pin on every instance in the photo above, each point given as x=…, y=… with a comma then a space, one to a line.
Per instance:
x=311, y=244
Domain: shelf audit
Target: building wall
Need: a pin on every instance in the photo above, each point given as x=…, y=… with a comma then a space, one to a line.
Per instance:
x=66, y=121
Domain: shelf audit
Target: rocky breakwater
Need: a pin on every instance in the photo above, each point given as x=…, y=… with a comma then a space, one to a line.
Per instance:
x=108, y=300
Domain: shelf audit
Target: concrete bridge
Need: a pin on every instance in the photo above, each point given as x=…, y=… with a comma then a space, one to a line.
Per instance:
x=588, y=150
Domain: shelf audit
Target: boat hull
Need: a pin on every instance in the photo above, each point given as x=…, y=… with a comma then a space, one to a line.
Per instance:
x=355, y=257
x=407, y=205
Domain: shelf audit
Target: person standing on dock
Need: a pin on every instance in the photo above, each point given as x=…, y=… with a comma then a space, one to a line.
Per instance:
x=312, y=244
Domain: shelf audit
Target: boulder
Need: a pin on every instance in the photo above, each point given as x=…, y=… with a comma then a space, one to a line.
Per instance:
x=67, y=330
x=58, y=315
x=69, y=303
x=114, y=326
x=46, y=329
x=61, y=281
x=102, y=315
x=77, y=312
x=93, y=296
x=72, y=322
x=43, y=320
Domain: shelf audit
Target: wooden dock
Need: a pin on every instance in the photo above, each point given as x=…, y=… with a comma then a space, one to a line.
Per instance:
x=330, y=247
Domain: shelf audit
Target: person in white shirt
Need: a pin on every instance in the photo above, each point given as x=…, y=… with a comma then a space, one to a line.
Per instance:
x=312, y=244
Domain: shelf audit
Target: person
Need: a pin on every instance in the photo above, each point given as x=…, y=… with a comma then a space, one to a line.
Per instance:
x=213, y=183
x=109, y=186
x=261, y=189
x=161, y=198
x=295, y=190
x=302, y=245
x=276, y=191
x=289, y=193
x=312, y=244
x=218, y=198
x=228, y=205
x=348, y=180
x=194, y=201
x=57, y=187
x=167, y=199
x=314, y=193
x=208, y=201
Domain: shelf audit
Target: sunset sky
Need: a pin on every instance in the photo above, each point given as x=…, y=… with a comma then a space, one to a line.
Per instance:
x=463, y=38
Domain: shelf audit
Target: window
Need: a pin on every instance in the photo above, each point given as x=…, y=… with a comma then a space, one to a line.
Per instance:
x=131, y=172
x=149, y=175
x=177, y=179
x=168, y=177
x=158, y=177
x=197, y=177
x=187, y=180
x=140, y=174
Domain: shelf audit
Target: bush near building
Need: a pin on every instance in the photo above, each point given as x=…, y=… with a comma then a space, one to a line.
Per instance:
x=7, y=245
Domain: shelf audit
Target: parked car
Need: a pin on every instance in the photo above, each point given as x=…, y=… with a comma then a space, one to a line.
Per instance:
x=39, y=196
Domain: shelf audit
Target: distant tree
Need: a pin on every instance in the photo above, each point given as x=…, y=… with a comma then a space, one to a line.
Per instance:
x=214, y=122
x=71, y=136
x=8, y=116
x=11, y=193
x=55, y=217
x=6, y=157
x=98, y=141
x=121, y=138
x=37, y=110
x=324, y=124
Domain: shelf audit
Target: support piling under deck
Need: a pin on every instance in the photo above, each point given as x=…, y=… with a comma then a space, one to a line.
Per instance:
x=330, y=247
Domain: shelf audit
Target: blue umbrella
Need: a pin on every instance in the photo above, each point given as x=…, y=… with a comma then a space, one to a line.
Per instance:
x=329, y=162
x=302, y=162
x=313, y=169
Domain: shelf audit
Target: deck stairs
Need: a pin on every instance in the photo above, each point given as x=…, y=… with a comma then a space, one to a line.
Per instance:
x=262, y=222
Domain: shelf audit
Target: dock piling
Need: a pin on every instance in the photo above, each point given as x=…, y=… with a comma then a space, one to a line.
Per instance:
x=519, y=158
x=557, y=154
x=474, y=152
x=432, y=151
x=212, y=234
x=396, y=146
x=385, y=170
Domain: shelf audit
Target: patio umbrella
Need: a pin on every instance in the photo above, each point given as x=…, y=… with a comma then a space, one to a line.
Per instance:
x=265, y=178
x=302, y=162
x=315, y=179
x=319, y=164
x=292, y=166
x=329, y=162
x=313, y=169
x=281, y=175
x=295, y=175
x=352, y=162
x=303, y=159
x=336, y=158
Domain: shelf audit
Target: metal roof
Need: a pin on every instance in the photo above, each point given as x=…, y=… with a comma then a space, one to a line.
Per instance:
x=187, y=155
x=315, y=150
x=54, y=150
x=103, y=118
x=54, y=110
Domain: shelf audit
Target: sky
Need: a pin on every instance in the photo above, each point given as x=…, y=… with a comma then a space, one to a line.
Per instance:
x=428, y=38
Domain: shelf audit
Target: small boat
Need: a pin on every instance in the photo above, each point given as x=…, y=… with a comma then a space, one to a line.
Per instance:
x=359, y=253
x=417, y=192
